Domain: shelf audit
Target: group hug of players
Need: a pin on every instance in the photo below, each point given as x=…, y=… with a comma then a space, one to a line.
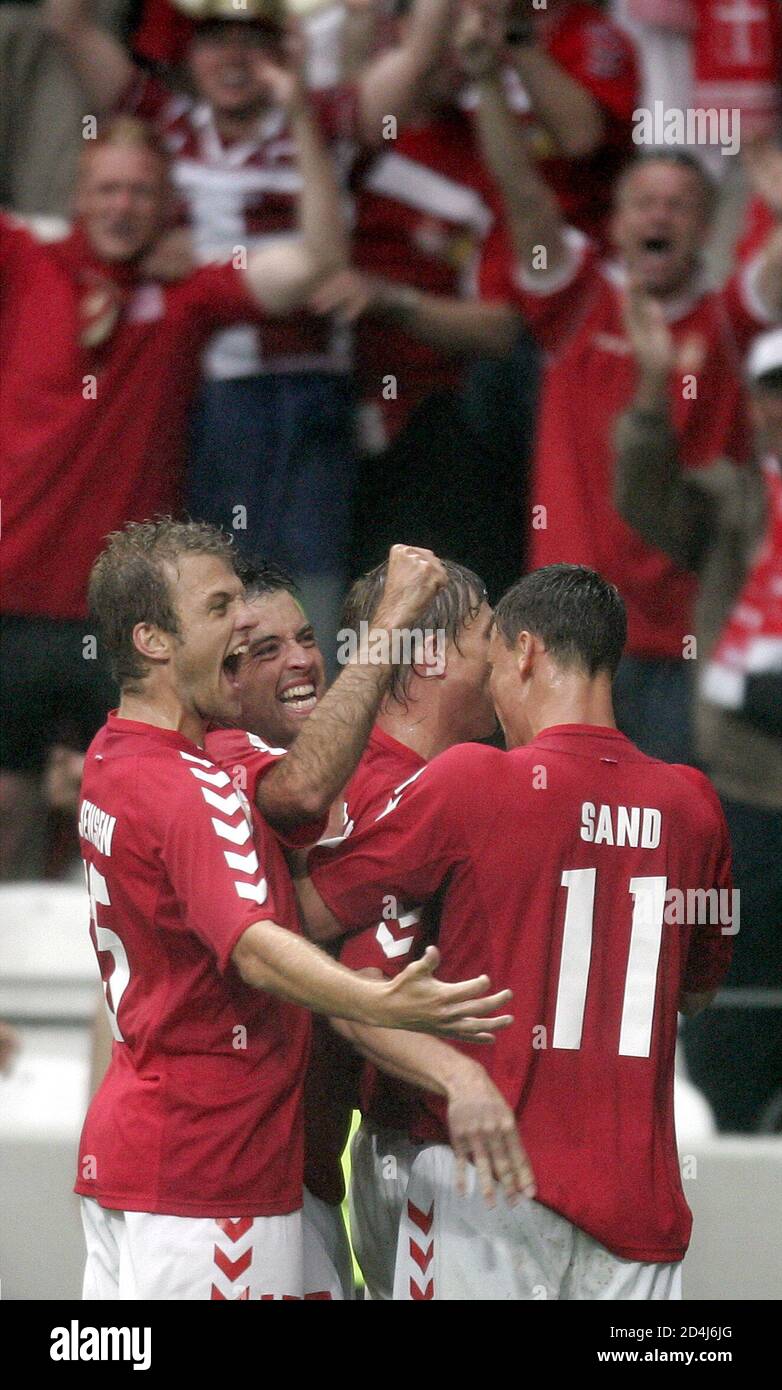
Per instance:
x=496, y=985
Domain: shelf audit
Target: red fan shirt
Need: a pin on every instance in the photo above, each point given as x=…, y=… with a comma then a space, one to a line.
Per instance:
x=240, y=196
x=427, y=212
x=565, y=868
x=589, y=379
x=199, y=1113
x=92, y=436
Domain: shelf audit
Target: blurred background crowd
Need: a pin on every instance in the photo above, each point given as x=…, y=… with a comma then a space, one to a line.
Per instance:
x=558, y=337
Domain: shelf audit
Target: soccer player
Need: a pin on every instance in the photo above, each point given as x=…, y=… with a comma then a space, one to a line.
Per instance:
x=100, y=361
x=434, y=701
x=427, y=707
x=564, y=865
x=190, y=1161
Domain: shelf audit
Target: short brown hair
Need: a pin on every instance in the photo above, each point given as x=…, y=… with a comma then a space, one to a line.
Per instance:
x=126, y=132
x=457, y=603
x=680, y=159
x=128, y=584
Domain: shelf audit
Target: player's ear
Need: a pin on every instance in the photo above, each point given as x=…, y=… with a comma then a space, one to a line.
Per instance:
x=432, y=658
x=525, y=653
x=152, y=642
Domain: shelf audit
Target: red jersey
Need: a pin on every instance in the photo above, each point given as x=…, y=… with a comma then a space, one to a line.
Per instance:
x=244, y=195
x=386, y=768
x=248, y=758
x=335, y=1086
x=92, y=437
x=589, y=379
x=759, y=222
x=426, y=212
x=199, y=1113
x=567, y=869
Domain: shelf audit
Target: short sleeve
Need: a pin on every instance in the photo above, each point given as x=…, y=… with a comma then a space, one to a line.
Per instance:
x=213, y=855
x=552, y=302
x=247, y=759
x=743, y=303
x=388, y=946
x=219, y=295
x=711, y=943
x=402, y=857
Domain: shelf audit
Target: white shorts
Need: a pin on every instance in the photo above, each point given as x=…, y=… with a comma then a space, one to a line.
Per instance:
x=327, y=1258
x=142, y=1255
x=380, y=1163
x=453, y=1247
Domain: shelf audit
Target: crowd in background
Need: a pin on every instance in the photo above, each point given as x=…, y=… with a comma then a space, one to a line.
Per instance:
x=514, y=354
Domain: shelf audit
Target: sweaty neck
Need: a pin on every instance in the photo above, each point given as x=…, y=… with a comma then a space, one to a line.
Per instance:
x=164, y=710
x=416, y=727
x=570, y=699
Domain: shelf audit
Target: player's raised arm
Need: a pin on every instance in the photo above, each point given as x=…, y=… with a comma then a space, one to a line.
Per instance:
x=533, y=218
x=102, y=64
x=282, y=275
x=763, y=159
x=305, y=782
x=273, y=959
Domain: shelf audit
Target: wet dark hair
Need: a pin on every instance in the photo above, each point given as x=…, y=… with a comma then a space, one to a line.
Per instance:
x=261, y=577
x=578, y=615
x=457, y=603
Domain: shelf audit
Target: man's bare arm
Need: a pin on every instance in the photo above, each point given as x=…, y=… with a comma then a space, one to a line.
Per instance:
x=303, y=784
x=391, y=84
x=534, y=220
x=102, y=65
x=482, y=1127
x=282, y=276
x=569, y=113
x=763, y=160
x=458, y=326
x=271, y=958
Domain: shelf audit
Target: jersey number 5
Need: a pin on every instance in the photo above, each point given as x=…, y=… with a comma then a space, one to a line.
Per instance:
x=648, y=894
x=107, y=940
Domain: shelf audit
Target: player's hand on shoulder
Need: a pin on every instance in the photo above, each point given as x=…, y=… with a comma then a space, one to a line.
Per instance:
x=415, y=1000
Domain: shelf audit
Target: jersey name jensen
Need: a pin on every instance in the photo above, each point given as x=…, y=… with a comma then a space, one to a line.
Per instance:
x=621, y=825
x=97, y=826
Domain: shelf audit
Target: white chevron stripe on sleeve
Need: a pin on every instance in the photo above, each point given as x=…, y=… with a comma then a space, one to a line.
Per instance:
x=227, y=805
x=392, y=946
x=237, y=834
x=189, y=758
x=242, y=863
x=255, y=891
x=215, y=779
